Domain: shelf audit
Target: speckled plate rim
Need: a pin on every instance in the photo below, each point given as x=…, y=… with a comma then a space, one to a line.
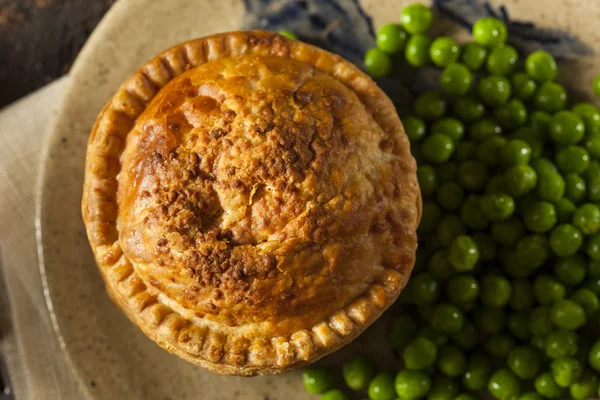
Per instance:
x=83, y=56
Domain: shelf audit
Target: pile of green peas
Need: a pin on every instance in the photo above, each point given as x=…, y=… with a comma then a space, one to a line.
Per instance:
x=504, y=299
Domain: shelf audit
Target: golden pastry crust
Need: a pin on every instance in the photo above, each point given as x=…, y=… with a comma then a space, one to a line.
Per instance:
x=251, y=201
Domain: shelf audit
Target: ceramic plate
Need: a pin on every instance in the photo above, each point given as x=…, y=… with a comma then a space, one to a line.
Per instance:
x=113, y=359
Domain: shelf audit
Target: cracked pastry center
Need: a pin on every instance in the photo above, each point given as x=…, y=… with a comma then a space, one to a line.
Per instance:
x=257, y=190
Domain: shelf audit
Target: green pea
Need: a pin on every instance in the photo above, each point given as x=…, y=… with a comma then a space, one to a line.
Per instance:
x=592, y=247
x=564, y=210
x=416, y=51
x=378, y=63
x=288, y=34
x=464, y=151
x=391, y=38
x=468, y=108
x=593, y=269
x=533, y=138
x=317, y=380
x=521, y=295
x=462, y=289
x=567, y=314
x=586, y=387
x=524, y=362
x=437, y=148
x=464, y=396
x=540, y=323
x=450, y=195
x=488, y=151
x=449, y=228
x=472, y=175
x=334, y=394
x=401, y=330
x=523, y=86
x=544, y=384
x=502, y=60
x=572, y=159
x=551, y=186
x=587, y=218
x=430, y=105
x=494, y=90
x=589, y=115
x=504, y=385
x=431, y=215
x=497, y=206
x=484, y=129
x=427, y=178
x=495, y=184
x=530, y=396
x=587, y=299
x=593, y=188
x=548, y=290
x=419, y=354
x=566, y=371
x=489, y=320
x=594, y=356
x=489, y=32
x=532, y=250
x=478, y=371
x=520, y=180
x=539, y=343
x=447, y=318
x=570, y=271
x=517, y=323
x=592, y=171
x=512, y=114
x=449, y=126
x=565, y=240
x=540, y=122
x=540, y=217
x=550, y=97
x=472, y=214
x=499, y=345
x=382, y=387
x=447, y=171
x=575, y=188
x=473, y=55
x=437, y=338
x=561, y=343
x=456, y=79
x=444, y=51
x=466, y=338
x=541, y=66
x=495, y=291
x=513, y=265
x=412, y=384
x=515, y=152
x=451, y=361
x=416, y=18
x=439, y=266
x=591, y=142
x=592, y=284
x=543, y=166
x=486, y=246
x=443, y=388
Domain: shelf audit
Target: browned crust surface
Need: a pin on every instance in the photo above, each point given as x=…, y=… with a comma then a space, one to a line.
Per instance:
x=251, y=201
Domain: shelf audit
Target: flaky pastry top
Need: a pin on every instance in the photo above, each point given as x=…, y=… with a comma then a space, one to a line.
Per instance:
x=255, y=194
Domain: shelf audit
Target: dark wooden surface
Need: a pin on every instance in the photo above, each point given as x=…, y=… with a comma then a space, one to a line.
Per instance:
x=39, y=39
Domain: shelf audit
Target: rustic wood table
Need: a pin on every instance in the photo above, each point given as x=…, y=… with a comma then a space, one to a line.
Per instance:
x=39, y=39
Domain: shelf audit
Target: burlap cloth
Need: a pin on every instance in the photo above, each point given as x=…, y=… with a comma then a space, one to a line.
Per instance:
x=37, y=366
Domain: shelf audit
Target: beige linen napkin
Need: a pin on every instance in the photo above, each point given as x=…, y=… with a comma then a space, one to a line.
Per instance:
x=36, y=363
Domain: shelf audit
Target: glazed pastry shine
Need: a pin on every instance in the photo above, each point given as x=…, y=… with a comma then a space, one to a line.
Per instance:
x=263, y=197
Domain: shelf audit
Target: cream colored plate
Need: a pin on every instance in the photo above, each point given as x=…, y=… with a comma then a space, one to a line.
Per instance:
x=111, y=357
